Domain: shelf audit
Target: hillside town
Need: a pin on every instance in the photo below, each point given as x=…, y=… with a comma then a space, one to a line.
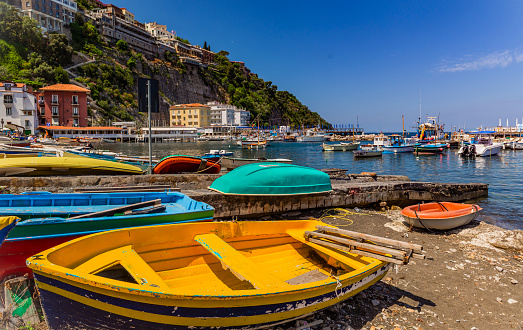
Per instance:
x=63, y=110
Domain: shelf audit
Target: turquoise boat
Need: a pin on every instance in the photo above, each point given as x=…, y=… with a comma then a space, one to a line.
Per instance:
x=272, y=179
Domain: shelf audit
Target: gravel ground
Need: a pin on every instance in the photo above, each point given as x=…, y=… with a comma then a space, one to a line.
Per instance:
x=471, y=279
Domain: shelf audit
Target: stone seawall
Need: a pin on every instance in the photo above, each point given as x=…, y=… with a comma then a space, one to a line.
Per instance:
x=348, y=191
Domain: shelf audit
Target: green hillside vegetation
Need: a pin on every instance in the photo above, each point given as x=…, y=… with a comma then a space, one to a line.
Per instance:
x=27, y=56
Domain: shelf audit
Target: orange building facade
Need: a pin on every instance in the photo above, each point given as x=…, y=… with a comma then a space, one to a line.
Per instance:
x=62, y=105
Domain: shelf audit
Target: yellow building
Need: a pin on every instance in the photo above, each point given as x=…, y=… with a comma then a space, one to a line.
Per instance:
x=190, y=115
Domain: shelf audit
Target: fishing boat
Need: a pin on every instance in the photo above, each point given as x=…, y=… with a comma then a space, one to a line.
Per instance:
x=272, y=179
x=253, y=144
x=50, y=166
x=230, y=275
x=108, y=211
x=342, y=146
x=231, y=163
x=6, y=225
x=397, y=145
x=440, y=215
x=367, y=152
x=380, y=141
x=430, y=148
x=182, y=163
x=481, y=147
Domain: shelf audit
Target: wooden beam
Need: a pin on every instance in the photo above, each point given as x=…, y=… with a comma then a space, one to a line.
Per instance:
x=121, y=209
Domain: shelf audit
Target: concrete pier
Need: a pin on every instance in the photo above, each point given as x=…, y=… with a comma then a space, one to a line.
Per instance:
x=348, y=191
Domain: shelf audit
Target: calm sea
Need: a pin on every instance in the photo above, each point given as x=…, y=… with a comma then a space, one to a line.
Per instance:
x=503, y=173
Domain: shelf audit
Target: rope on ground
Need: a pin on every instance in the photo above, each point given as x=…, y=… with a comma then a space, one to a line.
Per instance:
x=339, y=213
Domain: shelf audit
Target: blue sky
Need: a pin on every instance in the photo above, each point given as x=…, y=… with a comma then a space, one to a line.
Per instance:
x=369, y=59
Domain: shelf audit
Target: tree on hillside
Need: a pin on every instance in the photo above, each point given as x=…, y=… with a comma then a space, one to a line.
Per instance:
x=60, y=52
x=19, y=30
x=122, y=45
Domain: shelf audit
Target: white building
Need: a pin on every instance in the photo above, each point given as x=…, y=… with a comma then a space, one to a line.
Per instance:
x=50, y=15
x=17, y=107
x=228, y=115
x=160, y=31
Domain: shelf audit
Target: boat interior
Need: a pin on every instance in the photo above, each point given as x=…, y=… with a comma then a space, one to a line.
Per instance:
x=223, y=258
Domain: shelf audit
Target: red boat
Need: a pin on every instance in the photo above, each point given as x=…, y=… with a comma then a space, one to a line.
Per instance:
x=180, y=163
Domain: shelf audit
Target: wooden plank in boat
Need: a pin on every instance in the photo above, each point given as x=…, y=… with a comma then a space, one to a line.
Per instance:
x=121, y=209
x=128, y=259
x=237, y=263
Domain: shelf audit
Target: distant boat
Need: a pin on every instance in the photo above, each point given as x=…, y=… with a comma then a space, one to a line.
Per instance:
x=31, y=236
x=253, y=144
x=46, y=166
x=367, y=152
x=182, y=163
x=430, y=148
x=231, y=163
x=216, y=275
x=440, y=215
x=481, y=147
x=219, y=153
x=342, y=146
x=397, y=145
x=272, y=179
x=312, y=136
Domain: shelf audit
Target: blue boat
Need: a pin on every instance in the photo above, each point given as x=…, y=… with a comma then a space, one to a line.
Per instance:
x=115, y=211
x=272, y=179
x=43, y=204
x=397, y=145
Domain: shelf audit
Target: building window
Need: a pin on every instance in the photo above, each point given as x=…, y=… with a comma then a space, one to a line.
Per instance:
x=75, y=99
x=8, y=111
x=55, y=99
x=27, y=124
x=50, y=12
x=75, y=111
x=42, y=111
x=75, y=122
x=28, y=4
x=55, y=122
x=8, y=98
x=37, y=7
x=55, y=111
x=57, y=7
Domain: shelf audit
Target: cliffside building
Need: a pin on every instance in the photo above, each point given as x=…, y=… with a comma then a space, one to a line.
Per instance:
x=228, y=115
x=190, y=115
x=51, y=15
x=17, y=107
x=63, y=105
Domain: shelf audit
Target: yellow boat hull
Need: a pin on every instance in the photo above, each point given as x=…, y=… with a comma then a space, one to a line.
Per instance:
x=45, y=166
x=222, y=274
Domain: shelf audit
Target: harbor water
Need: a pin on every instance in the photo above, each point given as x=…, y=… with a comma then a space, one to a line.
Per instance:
x=503, y=172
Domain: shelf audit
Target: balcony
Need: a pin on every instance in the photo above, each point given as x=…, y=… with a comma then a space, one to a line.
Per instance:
x=41, y=114
x=75, y=114
x=41, y=102
x=8, y=101
x=54, y=102
x=55, y=114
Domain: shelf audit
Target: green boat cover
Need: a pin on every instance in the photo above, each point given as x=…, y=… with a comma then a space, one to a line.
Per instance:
x=272, y=179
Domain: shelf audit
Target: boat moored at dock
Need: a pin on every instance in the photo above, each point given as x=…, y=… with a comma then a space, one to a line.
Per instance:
x=397, y=145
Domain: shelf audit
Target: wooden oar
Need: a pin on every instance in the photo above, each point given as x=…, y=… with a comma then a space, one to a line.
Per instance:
x=121, y=209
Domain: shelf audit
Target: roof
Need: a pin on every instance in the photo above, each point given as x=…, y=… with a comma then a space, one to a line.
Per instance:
x=13, y=84
x=191, y=105
x=65, y=88
x=94, y=128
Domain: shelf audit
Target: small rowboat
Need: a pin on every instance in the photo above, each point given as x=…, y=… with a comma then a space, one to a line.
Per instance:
x=108, y=211
x=181, y=163
x=226, y=275
x=272, y=179
x=440, y=215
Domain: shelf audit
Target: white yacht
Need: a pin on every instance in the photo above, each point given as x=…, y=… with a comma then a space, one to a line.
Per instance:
x=312, y=136
x=481, y=147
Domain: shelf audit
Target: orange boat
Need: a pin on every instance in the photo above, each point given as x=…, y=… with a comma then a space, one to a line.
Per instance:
x=440, y=215
x=180, y=163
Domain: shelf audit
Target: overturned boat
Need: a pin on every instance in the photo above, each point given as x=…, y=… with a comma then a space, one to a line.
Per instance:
x=440, y=215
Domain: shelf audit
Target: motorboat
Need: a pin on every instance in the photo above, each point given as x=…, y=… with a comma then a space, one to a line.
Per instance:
x=430, y=148
x=342, y=146
x=231, y=163
x=218, y=153
x=312, y=136
x=272, y=179
x=440, y=215
x=230, y=275
x=481, y=147
x=182, y=163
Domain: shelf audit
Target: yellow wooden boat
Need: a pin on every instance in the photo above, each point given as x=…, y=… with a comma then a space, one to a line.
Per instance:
x=227, y=275
x=43, y=166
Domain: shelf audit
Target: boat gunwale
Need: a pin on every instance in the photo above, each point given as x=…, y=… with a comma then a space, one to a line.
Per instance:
x=443, y=215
